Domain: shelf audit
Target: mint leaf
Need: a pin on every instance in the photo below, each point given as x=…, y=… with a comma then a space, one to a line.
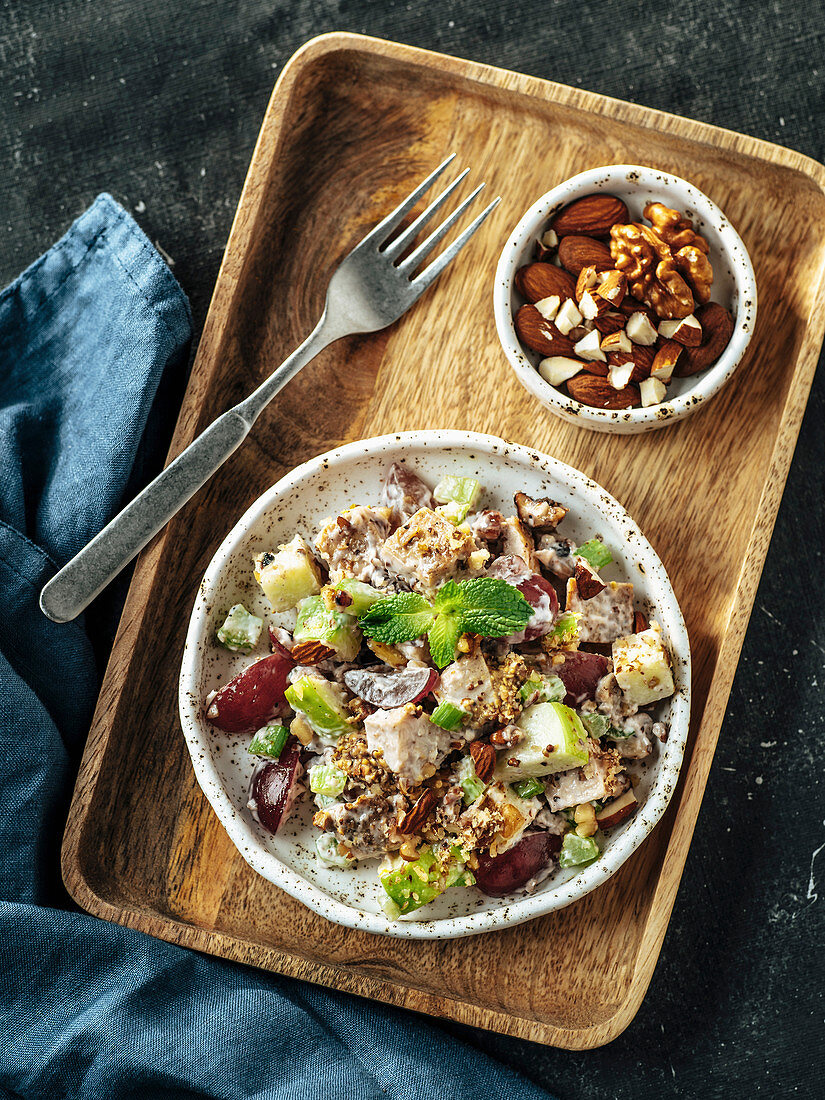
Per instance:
x=443, y=635
x=595, y=552
x=398, y=618
x=492, y=607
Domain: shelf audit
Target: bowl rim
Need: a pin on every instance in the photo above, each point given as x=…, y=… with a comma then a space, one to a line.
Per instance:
x=197, y=732
x=707, y=383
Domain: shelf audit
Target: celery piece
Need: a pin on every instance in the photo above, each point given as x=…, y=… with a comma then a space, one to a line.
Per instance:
x=326, y=846
x=550, y=689
x=448, y=716
x=577, y=850
x=469, y=782
x=411, y=885
x=320, y=703
x=460, y=494
x=566, y=628
x=269, y=741
x=316, y=623
x=327, y=779
x=598, y=725
x=595, y=552
x=528, y=788
x=240, y=630
x=363, y=595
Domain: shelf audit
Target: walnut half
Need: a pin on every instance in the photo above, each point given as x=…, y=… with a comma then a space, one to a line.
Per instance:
x=689, y=248
x=650, y=269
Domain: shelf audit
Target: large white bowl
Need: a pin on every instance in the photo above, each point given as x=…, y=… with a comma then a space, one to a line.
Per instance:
x=734, y=286
x=299, y=501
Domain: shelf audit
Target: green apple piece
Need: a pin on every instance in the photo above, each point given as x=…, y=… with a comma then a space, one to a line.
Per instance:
x=288, y=576
x=458, y=495
x=240, y=630
x=321, y=703
x=553, y=740
x=316, y=623
x=363, y=595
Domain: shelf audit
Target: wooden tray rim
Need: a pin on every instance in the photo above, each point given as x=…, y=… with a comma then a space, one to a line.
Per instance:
x=686, y=801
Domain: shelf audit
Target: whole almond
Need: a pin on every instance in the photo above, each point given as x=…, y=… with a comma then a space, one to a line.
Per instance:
x=537, y=281
x=591, y=216
x=484, y=758
x=541, y=335
x=717, y=329
x=576, y=253
x=593, y=366
x=413, y=820
x=642, y=357
x=610, y=322
x=311, y=653
x=597, y=392
x=640, y=622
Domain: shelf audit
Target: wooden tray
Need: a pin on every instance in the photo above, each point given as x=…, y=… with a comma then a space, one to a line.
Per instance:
x=352, y=125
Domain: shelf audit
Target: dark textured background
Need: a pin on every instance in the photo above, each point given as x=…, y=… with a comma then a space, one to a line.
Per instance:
x=159, y=102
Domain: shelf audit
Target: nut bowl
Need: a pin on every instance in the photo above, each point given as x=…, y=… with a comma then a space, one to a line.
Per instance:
x=324, y=486
x=734, y=287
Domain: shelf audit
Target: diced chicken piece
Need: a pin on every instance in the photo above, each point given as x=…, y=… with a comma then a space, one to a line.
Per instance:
x=497, y=819
x=517, y=541
x=428, y=550
x=542, y=514
x=412, y=745
x=611, y=702
x=638, y=745
x=605, y=616
x=556, y=555
x=350, y=544
x=367, y=827
x=468, y=684
x=600, y=778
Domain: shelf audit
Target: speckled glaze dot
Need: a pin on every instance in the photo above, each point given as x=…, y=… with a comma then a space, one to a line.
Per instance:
x=299, y=502
x=734, y=286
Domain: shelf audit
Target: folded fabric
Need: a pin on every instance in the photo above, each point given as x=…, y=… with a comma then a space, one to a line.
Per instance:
x=89, y=1009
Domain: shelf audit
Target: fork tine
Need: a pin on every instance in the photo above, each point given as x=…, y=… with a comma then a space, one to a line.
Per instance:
x=386, y=226
x=396, y=247
x=422, y=281
x=428, y=244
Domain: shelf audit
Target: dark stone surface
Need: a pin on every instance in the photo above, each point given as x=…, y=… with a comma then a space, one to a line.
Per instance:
x=159, y=102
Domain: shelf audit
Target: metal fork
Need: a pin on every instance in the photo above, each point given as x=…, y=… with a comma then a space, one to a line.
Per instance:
x=369, y=290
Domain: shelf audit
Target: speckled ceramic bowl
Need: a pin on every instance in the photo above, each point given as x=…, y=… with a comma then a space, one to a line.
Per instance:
x=734, y=287
x=299, y=502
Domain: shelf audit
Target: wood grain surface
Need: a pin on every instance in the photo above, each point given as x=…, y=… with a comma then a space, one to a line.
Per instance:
x=352, y=125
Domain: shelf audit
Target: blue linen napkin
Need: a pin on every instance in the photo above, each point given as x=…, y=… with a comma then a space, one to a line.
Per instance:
x=89, y=1009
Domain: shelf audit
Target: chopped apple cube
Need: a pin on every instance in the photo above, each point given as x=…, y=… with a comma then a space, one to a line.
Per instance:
x=641, y=664
x=288, y=576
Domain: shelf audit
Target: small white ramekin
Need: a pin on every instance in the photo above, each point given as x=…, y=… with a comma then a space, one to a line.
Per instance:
x=734, y=286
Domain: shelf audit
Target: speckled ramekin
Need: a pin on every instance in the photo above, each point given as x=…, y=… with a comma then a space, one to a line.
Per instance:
x=299, y=502
x=734, y=286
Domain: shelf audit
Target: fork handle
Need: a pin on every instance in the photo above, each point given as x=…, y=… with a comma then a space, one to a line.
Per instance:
x=82, y=578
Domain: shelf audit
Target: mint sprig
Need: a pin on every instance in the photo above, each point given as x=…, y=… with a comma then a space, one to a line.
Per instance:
x=398, y=618
x=484, y=605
